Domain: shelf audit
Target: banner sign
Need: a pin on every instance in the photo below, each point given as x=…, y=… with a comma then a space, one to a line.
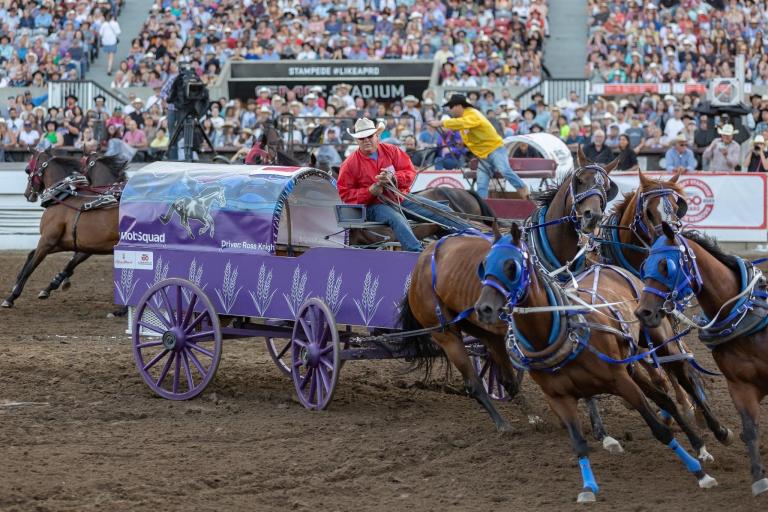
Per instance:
x=729, y=206
x=652, y=88
x=380, y=80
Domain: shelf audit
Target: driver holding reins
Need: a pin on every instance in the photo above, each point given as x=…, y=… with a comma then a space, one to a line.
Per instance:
x=376, y=165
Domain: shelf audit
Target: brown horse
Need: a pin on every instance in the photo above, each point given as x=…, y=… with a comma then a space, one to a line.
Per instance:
x=575, y=350
x=627, y=233
x=64, y=226
x=681, y=265
x=106, y=174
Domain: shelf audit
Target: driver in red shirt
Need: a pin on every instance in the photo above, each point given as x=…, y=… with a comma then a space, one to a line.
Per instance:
x=364, y=174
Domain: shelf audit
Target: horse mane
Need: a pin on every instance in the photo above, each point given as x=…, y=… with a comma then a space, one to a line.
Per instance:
x=116, y=164
x=70, y=164
x=710, y=245
x=545, y=198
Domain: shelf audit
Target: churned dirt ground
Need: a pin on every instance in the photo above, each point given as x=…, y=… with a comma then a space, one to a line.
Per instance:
x=95, y=438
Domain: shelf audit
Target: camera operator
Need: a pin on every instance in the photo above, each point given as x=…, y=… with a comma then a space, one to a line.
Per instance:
x=189, y=98
x=757, y=158
x=172, y=119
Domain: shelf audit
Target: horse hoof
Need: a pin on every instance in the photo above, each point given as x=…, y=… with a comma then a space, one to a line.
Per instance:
x=705, y=456
x=707, y=482
x=66, y=285
x=586, y=497
x=760, y=487
x=506, y=429
x=612, y=445
x=729, y=438
x=43, y=295
x=6, y=304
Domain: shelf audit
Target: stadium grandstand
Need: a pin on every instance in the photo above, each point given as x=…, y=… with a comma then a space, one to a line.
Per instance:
x=647, y=69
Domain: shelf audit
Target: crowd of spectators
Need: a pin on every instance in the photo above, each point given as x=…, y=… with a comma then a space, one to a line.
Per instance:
x=481, y=43
x=47, y=40
x=682, y=41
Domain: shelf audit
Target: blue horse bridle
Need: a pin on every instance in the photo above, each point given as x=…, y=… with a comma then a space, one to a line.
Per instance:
x=512, y=289
x=683, y=278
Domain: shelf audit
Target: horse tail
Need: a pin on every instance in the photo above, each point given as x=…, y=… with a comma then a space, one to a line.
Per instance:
x=164, y=218
x=485, y=208
x=420, y=349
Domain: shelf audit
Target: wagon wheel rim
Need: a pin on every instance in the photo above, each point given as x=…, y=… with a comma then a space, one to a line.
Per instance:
x=280, y=351
x=176, y=339
x=315, y=355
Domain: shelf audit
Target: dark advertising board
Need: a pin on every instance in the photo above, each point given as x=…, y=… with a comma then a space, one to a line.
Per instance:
x=380, y=80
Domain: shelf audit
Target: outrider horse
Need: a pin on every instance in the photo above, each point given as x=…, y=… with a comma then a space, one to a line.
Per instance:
x=440, y=292
x=106, y=175
x=65, y=225
x=575, y=350
x=732, y=295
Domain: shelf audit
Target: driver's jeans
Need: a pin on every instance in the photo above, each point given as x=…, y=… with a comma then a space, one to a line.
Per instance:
x=392, y=217
x=497, y=160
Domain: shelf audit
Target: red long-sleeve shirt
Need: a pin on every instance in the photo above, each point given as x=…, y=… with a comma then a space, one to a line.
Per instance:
x=358, y=173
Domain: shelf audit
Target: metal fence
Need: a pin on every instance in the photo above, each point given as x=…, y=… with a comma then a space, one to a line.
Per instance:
x=86, y=91
x=555, y=89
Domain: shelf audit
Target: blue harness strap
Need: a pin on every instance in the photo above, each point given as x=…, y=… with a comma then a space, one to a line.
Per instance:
x=433, y=265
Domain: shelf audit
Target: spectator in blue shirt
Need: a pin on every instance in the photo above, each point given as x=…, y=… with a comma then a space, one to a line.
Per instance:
x=43, y=18
x=679, y=157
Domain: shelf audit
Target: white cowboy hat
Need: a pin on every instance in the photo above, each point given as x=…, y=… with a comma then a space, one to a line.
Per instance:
x=727, y=129
x=410, y=98
x=364, y=128
x=759, y=139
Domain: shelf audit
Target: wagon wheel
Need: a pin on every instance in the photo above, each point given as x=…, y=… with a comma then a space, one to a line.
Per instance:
x=315, y=354
x=490, y=376
x=176, y=339
x=280, y=351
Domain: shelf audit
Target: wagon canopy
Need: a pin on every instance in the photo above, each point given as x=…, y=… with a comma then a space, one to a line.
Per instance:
x=549, y=146
x=242, y=208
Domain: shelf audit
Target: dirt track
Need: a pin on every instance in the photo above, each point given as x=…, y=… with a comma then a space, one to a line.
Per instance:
x=101, y=441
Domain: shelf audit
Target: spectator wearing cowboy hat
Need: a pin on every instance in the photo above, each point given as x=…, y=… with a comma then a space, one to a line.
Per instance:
x=680, y=158
x=757, y=158
x=723, y=154
x=375, y=165
x=480, y=138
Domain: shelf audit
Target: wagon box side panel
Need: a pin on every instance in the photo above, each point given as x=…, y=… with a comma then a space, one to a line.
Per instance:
x=361, y=287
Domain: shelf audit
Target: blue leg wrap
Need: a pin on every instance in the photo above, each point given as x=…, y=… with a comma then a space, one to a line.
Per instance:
x=665, y=415
x=690, y=462
x=587, y=475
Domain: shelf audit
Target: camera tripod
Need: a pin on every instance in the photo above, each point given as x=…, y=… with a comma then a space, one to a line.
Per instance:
x=188, y=124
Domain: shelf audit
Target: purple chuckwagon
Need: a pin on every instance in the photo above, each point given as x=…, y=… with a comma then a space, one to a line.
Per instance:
x=209, y=252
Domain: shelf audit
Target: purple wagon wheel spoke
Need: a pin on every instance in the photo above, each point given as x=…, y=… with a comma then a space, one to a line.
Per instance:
x=149, y=344
x=328, y=364
x=285, y=349
x=151, y=327
x=196, y=362
x=298, y=363
x=168, y=308
x=197, y=321
x=165, y=369
x=324, y=377
x=326, y=350
x=200, y=349
x=199, y=335
x=307, y=330
x=318, y=383
x=306, y=378
x=300, y=343
x=176, y=372
x=179, y=306
x=159, y=315
x=190, y=311
x=187, y=371
x=155, y=359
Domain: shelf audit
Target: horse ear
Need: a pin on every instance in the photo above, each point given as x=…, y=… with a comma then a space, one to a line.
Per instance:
x=612, y=166
x=675, y=177
x=581, y=158
x=668, y=231
x=644, y=181
x=496, y=232
x=516, y=233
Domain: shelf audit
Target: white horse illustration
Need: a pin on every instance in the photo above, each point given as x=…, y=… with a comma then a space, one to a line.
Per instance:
x=198, y=208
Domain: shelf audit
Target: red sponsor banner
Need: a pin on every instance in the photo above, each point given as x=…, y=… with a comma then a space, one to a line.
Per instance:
x=630, y=89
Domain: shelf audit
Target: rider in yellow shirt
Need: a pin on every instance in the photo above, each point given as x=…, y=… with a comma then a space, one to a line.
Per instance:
x=481, y=138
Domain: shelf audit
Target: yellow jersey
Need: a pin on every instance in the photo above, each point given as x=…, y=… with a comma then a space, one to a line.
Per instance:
x=477, y=133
